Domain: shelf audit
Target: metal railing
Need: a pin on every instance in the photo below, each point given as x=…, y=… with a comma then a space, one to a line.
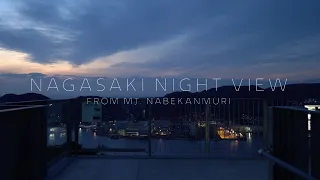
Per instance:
x=60, y=113
x=286, y=165
x=32, y=126
x=187, y=128
x=239, y=115
x=293, y=134
x=63, y=135
x=23, y=137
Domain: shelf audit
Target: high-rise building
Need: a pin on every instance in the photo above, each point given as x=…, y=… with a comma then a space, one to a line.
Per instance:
x=91, y=113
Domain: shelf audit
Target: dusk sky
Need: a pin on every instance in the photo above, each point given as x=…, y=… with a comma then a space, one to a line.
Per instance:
x=152, y=38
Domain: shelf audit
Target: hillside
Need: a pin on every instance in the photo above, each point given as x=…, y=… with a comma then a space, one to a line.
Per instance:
x=296, y=91
x=22, y=97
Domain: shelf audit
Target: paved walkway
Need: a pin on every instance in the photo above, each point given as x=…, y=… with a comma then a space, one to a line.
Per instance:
x=165, y=169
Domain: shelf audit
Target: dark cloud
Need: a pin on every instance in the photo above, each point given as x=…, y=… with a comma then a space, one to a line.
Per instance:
x=106, y=27
x=40, y=47
x=31, y=75
x=226, y=34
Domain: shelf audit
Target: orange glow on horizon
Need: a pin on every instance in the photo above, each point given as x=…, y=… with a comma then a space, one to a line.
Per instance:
x=21, y=63
x=17, y=62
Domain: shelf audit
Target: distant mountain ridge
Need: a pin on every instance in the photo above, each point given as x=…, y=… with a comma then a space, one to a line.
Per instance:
x=296, y=91
x=22, y=97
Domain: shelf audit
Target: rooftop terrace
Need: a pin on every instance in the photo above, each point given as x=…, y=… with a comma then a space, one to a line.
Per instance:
x=169, y=169
x=288, y=147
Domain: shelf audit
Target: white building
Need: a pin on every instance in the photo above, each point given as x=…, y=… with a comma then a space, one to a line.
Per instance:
x=311, y=108
x=91, y=112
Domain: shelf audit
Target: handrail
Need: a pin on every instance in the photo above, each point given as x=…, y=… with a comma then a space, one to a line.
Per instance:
x=286, y=165
x=17, y=102
x=22, y=108
x=297, y=109
x=35, y=101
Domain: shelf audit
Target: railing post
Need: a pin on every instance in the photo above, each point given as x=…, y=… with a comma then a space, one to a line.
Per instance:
x=76, y=127
x=75, y=118
x=207, y=130
x=268, y=134
x=149, y=131
x=315, y=144
x=265, y=122
x=66, y=114
x=43, y=129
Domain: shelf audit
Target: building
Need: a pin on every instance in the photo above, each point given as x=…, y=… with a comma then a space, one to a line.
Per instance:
x=161, y=127
x=91, y=113
x=139, y=128
x=121, y=127
x=311, y=108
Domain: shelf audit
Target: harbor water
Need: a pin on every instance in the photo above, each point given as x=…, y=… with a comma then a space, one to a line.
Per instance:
x=223, y=148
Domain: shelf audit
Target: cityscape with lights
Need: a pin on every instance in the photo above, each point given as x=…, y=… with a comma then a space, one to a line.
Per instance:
x=190, y=126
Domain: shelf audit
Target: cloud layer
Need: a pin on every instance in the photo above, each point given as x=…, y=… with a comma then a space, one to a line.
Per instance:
x=150, y=38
